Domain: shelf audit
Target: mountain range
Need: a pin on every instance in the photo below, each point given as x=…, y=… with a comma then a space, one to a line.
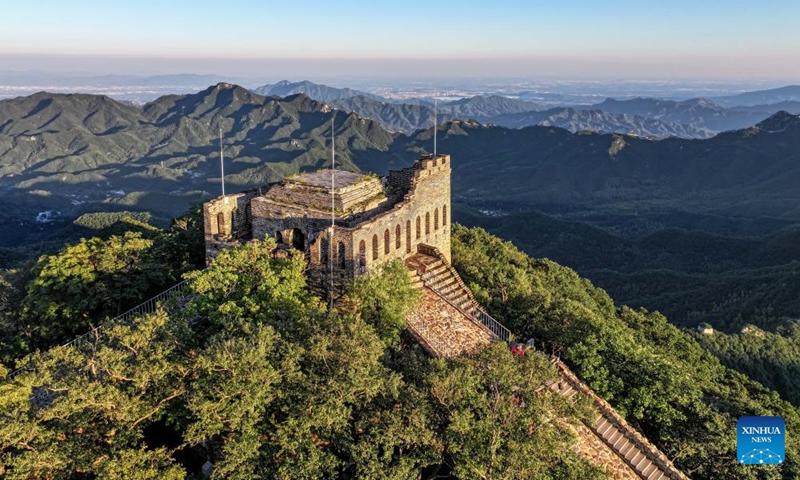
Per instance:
x=772, y=96
x=322, y=93
x=72, y=153
x=645, y=117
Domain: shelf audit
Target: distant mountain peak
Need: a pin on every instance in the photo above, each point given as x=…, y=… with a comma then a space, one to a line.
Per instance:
x=778, y=122
x=319, y=92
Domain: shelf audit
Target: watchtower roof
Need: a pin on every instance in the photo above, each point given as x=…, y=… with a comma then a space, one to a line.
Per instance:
x=322, y=179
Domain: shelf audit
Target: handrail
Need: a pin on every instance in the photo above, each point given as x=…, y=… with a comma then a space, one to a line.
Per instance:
x=607, y=411
x=148, y=306
x=468, y=307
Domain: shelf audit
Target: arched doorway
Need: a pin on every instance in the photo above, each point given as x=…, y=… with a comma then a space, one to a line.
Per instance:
x=298, y=240
x=278, y=237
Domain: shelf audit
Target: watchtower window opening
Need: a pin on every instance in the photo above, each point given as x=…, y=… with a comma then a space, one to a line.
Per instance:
x=341, y=256
x=386, y=242
x=298, y=240
x=436, y=219
x=419, y=229
x=427, y=223
x=221, y=224
x=324, y=246
x=408, y=236
x=375, y=247
x=362, y=253
x=397, y=237
x=444, y=215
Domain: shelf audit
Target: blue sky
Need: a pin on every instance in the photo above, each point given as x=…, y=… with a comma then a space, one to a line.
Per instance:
x=569, y=37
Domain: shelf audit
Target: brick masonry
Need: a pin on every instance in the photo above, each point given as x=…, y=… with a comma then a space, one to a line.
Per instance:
x=376, y=219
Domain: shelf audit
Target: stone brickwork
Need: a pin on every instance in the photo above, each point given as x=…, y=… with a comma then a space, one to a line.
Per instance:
x=375, y=219
x=227, y=221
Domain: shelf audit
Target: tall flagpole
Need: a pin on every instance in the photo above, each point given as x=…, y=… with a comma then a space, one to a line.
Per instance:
x=333, y=205
x=333, y=168
x=221, y=163
x=435, y=123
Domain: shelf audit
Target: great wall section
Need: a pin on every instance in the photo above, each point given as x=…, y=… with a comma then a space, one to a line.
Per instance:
x=446, y=322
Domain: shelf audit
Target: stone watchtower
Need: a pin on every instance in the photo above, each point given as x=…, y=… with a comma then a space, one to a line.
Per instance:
x=344, y=230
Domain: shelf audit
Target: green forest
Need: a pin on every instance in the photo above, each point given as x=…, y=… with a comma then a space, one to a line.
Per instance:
x=254, y=374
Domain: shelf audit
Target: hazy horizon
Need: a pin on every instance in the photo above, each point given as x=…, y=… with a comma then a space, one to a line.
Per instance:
x=730, y=41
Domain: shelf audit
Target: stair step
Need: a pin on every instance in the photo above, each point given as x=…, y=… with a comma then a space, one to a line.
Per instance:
x=649, y=469
x=643, y=464
x=620, y=443
x=605, y=428
x=636, y=458
x=613, y=437
x=628, y=448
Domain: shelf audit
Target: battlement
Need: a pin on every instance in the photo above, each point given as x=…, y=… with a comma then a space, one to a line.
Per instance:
x=376, y=218
x=352, y=193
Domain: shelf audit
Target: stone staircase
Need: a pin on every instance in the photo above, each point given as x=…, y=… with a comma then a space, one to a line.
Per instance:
x=637, y=453
x=449, y=321
x=435, y=274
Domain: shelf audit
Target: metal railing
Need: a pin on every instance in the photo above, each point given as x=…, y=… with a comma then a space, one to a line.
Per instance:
x=148, y=306
x=455, y=294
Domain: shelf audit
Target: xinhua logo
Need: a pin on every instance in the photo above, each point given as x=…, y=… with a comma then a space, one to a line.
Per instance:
x=761, y=440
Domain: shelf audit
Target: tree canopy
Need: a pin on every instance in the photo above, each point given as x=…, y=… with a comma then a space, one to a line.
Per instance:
x=254, y=374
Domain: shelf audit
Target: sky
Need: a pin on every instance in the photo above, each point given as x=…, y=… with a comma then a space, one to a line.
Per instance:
x=559, y=38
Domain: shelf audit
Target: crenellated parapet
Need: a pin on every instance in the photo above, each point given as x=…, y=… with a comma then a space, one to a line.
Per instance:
x=345, y=223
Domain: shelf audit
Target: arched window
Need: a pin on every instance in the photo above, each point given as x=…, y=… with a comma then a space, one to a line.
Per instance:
x=427, y=223
x=408, y=236
x=341, y=255
x=419, y=229
x=386, y=242
x=397, y=233
x=444, y=215
x=298, y=240
x=362, y=253
x=375, y=247
x=436, y=219
x=221, y=224
x=324, y=248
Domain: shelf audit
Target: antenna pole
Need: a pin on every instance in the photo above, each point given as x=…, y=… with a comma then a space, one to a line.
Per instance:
x=435, y=123
x=333, y=205
x=333, y=169
x=221, y=163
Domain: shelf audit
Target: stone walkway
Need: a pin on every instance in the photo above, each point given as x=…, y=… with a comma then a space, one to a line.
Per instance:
x=443, y=330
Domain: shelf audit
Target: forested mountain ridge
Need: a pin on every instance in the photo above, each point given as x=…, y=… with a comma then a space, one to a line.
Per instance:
x=597, y=120
x=64, y=155
x=64, y=151
x=71, y=153
x=750, y=172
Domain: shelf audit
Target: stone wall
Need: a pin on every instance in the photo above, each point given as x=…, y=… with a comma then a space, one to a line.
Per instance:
x=227, y=221
x=416, y=211
x=422, y=217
